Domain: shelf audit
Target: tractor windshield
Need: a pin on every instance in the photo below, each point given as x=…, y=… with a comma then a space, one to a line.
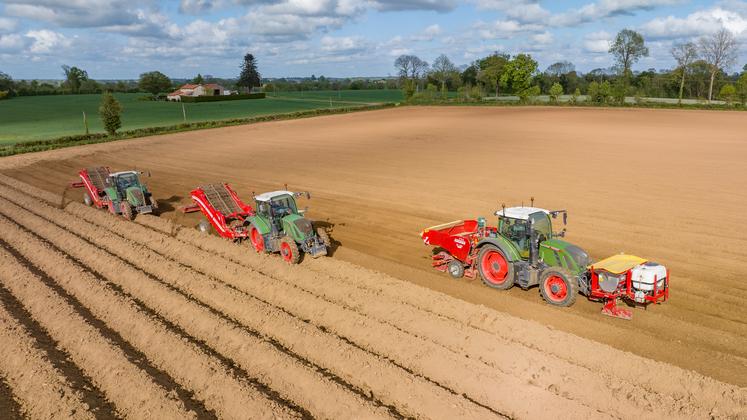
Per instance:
x=125, y=181
x=283, y=205
x=516, y=231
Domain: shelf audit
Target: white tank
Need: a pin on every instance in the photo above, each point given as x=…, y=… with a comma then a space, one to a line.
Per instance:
x=643, y=276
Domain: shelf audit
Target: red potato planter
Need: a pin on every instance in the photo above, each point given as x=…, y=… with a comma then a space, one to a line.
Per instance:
x=524, y=251
x=223, y=209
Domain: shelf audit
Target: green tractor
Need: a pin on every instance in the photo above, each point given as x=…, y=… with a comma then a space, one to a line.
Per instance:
x=279, y=226
x=525, y=251
x=120, y=192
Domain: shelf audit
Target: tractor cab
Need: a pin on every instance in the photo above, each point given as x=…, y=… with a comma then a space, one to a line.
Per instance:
x=517, y=224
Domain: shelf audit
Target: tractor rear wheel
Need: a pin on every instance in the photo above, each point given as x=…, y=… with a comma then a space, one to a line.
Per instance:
x=323, y=236
x=558, y=287
x=495, y=269
x=87, y=200
x=258, y=241
x=126, y=210
x=289, y=250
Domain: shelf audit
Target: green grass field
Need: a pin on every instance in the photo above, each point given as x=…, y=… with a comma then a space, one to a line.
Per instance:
x=44, y=117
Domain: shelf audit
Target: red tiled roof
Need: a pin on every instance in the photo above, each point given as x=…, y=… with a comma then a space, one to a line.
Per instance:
x=176, y=92
x=213, y=86
x=189, y=86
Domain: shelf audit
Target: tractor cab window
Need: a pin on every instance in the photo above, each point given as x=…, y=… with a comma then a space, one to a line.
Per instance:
x=283, y=206
x=517, y=231
x=126, y=181
x=541, y=225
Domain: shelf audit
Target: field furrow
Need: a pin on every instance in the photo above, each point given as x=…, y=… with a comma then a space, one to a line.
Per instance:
x=416, y=396
x=229, y=397
x=131, y=390
x=353, y=290
x=9, y=406
x=42, y=389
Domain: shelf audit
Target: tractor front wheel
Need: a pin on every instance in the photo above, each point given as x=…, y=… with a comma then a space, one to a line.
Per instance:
x=203, y=226
x=323, y=236
x=126, y=210
x=87, y=200
x=558, y=287
x=495, y=269
x=258, y=241
x=289, y=250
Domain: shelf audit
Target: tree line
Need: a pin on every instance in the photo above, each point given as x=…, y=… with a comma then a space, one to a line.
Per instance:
x=701, y=73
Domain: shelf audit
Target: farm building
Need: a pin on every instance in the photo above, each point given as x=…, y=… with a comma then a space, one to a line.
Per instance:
x=209, y=89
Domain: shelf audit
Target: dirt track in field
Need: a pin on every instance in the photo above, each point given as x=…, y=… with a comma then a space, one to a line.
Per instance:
x=214, y=330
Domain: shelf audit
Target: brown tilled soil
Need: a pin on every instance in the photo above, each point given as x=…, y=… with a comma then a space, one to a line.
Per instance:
x=194, y=325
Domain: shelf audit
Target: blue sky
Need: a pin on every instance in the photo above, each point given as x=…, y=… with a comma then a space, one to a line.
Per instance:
x=122, y=38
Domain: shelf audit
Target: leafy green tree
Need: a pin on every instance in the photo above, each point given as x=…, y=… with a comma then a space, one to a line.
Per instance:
x=555, y=91
x=576, y=94
x=517, y=75
x=198, y=80
x=741, y=88
x=74, y=77
x=154, y=82
x=408, y=88
x=728, y=93
x=110, y=112
x=627, y=48
x=490, y=70
x=605, y=92
x=6, y=82
x=249, y=76
x=469, y=75
x=593, y=91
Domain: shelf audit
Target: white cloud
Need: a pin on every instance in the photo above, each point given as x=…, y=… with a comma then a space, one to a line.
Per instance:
x=505, y=29
x=597, y=42
x=435, y=5
x=12, y=43
x=7, y=25
x=77, y=13
x=695, y=24
x=607, y=8
x=46, y=41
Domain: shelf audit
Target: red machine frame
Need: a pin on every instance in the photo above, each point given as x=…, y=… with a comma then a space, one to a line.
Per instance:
x=98, y=196
x=220, y=221
x=458, y=239
x=625, y=292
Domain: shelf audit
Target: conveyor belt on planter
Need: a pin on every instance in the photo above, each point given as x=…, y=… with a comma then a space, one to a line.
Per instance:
x=98, y=177
x=220, y=199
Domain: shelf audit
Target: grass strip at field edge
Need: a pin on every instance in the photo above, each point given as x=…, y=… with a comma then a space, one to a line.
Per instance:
x=69, y=141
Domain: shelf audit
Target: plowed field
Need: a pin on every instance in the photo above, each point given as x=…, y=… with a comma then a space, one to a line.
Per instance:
x=104, y=318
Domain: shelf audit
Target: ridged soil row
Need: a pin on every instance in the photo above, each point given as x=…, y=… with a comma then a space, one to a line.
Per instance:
x=685, y=395
x=9, y=406
x=229, y=397
x=131, y=390
x=638, y=381
x=416, y=396
x=324, y=395
x=455, y=371
x=350, y=286
x=42, y=390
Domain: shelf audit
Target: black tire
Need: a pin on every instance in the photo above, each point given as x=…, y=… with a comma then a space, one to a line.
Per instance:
x=558, y=287
x=323, y=236
x=455, y=268
x=87, y=200
x=126, y=209
x=289, y=250
x=488, y=272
